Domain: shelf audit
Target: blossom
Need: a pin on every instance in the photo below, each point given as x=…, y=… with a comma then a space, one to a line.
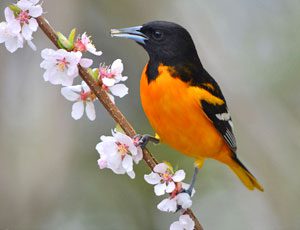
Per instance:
x=185, y=223
x=178, y=199
x=10, y=35
x=20, y=24
x=164, y=178
x=61, y=66
x=110, y=77
x=83, y=97
x=84, y=44
x=171, y=204
x=28, y=12
x=118, y=153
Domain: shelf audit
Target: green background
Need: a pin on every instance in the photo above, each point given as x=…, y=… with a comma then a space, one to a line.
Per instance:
x=49, y=177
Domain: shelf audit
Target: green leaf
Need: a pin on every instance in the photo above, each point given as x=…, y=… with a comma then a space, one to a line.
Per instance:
x=64, y=42
x=94, y=73
x=72, y=36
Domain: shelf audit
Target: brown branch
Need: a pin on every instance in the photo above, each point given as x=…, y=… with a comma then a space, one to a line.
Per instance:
x=113, y=110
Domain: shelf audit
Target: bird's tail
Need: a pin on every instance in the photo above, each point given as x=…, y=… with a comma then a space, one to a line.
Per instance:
x=245, y=176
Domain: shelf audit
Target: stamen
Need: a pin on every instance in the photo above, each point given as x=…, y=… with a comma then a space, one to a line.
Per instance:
x=62, y=64
x=24, y=17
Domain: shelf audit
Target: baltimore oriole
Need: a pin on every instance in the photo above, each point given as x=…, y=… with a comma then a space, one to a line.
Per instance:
x=183, y=103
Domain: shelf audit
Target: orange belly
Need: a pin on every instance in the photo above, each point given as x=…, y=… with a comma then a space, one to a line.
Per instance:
x=173, y=108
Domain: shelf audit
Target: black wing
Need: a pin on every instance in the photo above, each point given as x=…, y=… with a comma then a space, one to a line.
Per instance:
x=221, y=119
x=219, y=114
x=196, y=75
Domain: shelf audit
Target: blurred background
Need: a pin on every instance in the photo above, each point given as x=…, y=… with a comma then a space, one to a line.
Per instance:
x=49, y=177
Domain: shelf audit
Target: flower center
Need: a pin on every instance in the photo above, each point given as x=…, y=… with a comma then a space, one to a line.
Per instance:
x=79, y=46
x=62, y=64
x=167, y=177
x=105, y=72
x=24, y=17
x=84, y=96
x=122, y=149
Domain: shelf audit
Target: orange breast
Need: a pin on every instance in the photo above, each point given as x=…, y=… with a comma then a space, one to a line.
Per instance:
x=174, y=111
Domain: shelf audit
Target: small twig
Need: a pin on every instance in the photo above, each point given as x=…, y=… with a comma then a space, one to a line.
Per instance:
x=113, y=110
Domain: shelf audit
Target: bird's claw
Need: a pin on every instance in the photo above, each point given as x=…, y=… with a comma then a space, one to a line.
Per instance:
x=142, y=140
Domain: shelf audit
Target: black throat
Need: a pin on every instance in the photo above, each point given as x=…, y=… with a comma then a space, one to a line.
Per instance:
x=188, y=70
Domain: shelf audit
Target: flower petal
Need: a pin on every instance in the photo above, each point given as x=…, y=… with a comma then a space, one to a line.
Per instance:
x=184, y=200
x=131, y=174
x=119, y=90
x=167, y=205
x=102, y=163
x=77, y=110
x=85, y=87
x=69, y=94
x=34, y=2
x=186, y=222
x=35, y=11
x=152, y=178
x=33, y=25
x=31, y=45
x=9, y=15
x=127, y=163
x=90, y=110
x=86, y=62
x=24, y=4
x=160, y=189
x=108, y=81
x=139, y=156
x=176, y=226
x=179, y=176
x=27, y=32
x=115, y=161
x=170, y=187
x=13, y=44
x=160, y=168
x=92, y=49
x=117, y=67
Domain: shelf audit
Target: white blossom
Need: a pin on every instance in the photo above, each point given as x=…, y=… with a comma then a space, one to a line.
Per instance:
x=10, y=35
x=61, y=66
x=177, y=199
x=83, y=98
x=20, y=25
x=84, y=44
x=26, y=17
x=171, y=204
x=185, y=223
x=164, y=178
x=112, y=75
x=111, y=78
x=118, y=153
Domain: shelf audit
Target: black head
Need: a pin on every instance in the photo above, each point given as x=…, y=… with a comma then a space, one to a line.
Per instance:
x=165, y=42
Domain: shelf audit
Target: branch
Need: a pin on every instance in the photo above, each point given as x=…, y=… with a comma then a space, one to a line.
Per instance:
x=113, y=110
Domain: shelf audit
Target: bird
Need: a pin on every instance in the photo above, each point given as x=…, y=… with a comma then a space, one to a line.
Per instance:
x=183, y=103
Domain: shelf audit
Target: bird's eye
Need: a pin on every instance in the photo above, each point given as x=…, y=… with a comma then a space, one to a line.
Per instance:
x=157, y=35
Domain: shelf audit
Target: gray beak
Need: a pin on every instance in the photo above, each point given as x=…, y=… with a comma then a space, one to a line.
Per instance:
x=132, y=33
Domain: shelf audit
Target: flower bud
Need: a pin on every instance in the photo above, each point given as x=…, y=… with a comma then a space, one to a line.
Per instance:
x=64, y=43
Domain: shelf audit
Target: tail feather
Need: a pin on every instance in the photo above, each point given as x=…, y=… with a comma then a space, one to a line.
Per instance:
x=245, y=176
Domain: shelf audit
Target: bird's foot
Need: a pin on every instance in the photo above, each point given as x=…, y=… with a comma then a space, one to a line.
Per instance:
x=142, y=140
